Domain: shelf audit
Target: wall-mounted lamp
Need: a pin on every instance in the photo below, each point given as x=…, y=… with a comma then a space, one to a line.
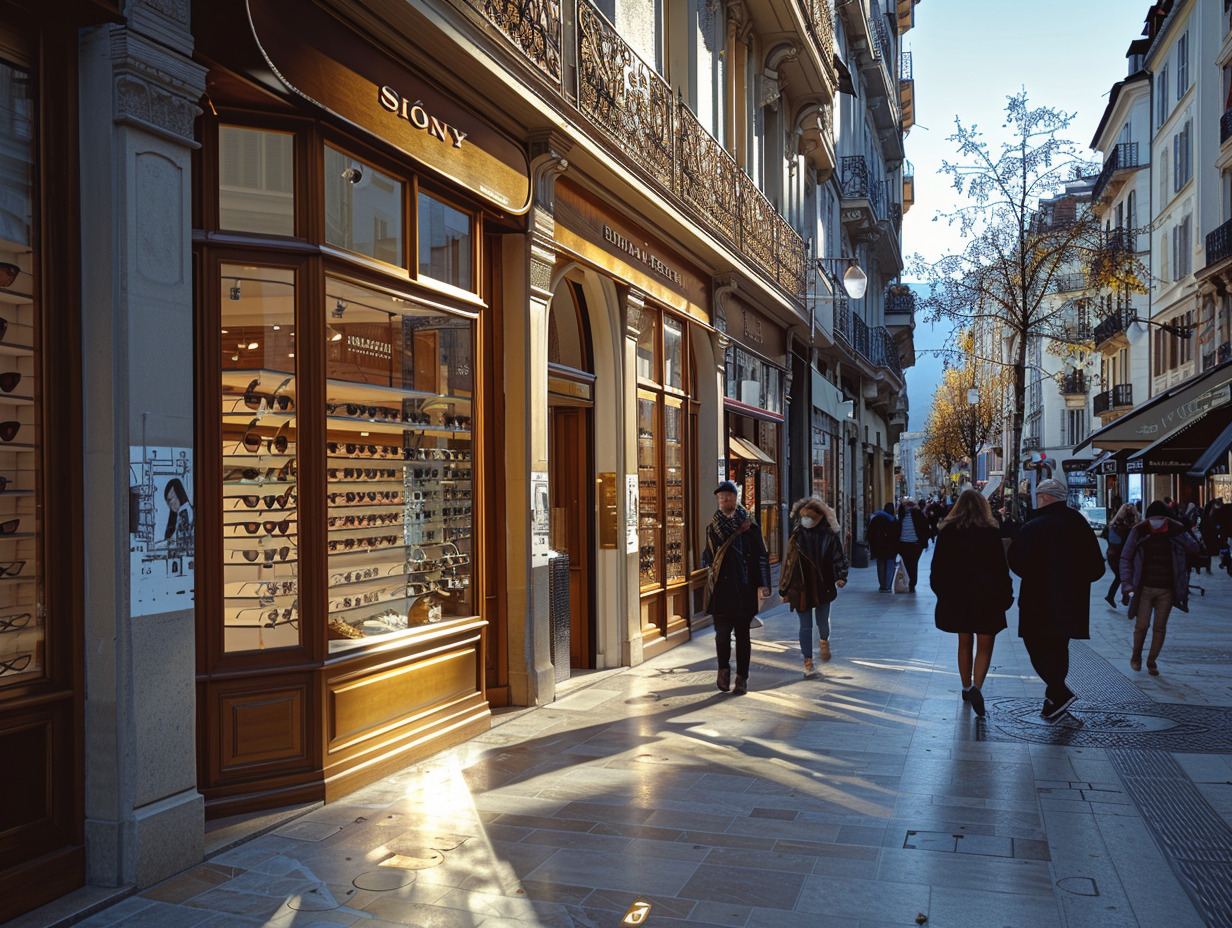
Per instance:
x=334, y=334
x=235, y=290
x=8, y=273
x=855, y=281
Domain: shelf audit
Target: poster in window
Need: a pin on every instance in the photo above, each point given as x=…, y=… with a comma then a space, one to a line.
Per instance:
x=161, y=528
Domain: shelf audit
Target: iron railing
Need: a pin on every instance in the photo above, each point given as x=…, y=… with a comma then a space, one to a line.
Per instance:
x=904, y=66
x=1121, y=239
x=1216, y=356
x=643, y=124
x=1073, y=383
x=901, y=302
x=821, y=24
x=886, y=352
x=1219, y=243
x=1225, y=126
x=1124, y=155
x=1114, y=324
x=1068, y=283
x=857, y=185
x=1120, y=396
x=1030, y=443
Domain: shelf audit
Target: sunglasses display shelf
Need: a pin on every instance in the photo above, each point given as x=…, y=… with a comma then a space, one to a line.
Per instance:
x=21, y=624
x=260, y=512
x=398, y=511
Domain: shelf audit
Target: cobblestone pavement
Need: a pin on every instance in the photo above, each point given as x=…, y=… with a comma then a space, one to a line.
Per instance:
x=864, y=798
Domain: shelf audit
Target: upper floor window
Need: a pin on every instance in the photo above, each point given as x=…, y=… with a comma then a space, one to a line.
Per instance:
x=256, y=181
x=1181, y=251
x=1182, y=161
x=1182, y=65
x=445, y=242
x=1161, y=91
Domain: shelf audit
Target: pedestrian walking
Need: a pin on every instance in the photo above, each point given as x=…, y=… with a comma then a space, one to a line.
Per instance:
x=883, y=545
x=738, y=579
x=814, y=570
x=1058, y=558
x=912, y=539
x=972, y=581
x=1155, y=577
x=1126, y=518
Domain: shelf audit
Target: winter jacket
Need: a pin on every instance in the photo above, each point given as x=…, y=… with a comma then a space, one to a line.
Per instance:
x=920, y=523
x=1058, y=557
x=883, y=536
x=971, y=579
x=812, y=568
x=1133, y=556
x=744, y=570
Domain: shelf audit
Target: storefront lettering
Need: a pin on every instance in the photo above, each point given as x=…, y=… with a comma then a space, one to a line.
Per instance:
x=641, y=254
x=357, y=344
x=1200, y=404
x=417, y=116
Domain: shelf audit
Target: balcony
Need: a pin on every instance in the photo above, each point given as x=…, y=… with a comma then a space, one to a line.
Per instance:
x=820, y=23
x=906, y=91
x=1074, y=383
x=1225, y=126
x=1111, y=333
x=861, y=205
x=632, y=113
x=906, y=15
x=1216, y=356
x=899, y=306
x=1030, y=443
x=1122, y=162
x=1219, y=244
x=1067, y=283
x=1118, y=399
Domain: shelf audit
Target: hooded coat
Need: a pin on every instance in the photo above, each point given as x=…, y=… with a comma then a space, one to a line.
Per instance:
x=1184, y=547
x=1058, y=557
x=883, y=536
x=814, y=565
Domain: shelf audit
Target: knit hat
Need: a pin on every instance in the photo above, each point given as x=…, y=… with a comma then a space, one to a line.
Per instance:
x=725, y=486
x=1052, y=487
x=1158, y=508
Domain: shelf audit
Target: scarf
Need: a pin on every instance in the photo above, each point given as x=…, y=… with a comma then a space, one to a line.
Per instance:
x=726, y=526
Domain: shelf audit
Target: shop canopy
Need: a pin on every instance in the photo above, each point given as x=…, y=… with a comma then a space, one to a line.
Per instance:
x=991, y=487
x=1163, y=415
x=1180, y=451
x=743, y=448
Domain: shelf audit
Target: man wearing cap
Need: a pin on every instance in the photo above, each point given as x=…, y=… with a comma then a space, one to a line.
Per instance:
x=1058, y=558
x=739, y=575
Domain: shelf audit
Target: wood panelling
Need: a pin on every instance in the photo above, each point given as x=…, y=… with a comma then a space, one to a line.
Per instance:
x=27, y=766
x=262, y=726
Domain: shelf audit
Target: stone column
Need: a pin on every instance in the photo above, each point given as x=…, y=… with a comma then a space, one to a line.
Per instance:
x=631, y=634
x=138, y=93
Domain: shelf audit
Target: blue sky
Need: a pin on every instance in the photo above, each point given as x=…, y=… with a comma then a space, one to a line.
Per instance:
x=967, y=57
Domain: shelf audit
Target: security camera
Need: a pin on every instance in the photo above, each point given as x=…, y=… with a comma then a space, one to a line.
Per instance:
x=354, y=174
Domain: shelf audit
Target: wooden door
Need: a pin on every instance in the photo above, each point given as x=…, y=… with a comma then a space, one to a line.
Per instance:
x=572, y=527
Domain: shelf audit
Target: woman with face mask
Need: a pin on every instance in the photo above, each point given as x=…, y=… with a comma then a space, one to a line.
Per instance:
x=1155, y=577
x=814, y=570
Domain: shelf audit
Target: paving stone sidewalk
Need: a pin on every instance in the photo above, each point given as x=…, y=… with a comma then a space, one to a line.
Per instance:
x=865, y=798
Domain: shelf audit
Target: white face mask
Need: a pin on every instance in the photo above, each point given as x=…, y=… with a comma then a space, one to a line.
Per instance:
x=808, y=521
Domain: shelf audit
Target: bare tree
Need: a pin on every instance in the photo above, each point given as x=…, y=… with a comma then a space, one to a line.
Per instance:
x=1027, y=227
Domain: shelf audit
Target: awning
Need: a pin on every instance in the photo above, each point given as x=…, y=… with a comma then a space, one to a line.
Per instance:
x=747, y=450
x=991, y=487
x=1214, y=454
x=1152, y=420
x=1095, y=464
x=1178, y=452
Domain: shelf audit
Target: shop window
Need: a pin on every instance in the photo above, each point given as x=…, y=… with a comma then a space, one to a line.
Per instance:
x=647, y=348
x=363, y=208
x=673, y=353
x=444, y=242
x=256, y=181
x=398, y=407
x=23, y=638
x=649, y=515
x=260, y=524
x=673, y=490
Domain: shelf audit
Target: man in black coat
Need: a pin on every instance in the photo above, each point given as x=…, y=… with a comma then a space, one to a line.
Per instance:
x=1058, y=557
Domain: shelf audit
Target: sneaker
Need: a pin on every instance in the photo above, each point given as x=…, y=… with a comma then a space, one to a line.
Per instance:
x=741, y=686
x=809, y=669
x=825, y=650
x=724, y=680
x=1053, y=711
x=977, y=701
x=966, y=693
x=1135, y=663
x=1152, y=670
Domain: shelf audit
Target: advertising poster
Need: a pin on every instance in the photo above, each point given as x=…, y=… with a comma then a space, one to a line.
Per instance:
x=539, y=518
x=161, y=529
x=631, y=514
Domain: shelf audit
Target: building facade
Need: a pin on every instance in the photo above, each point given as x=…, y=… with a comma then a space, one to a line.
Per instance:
x=383, y=357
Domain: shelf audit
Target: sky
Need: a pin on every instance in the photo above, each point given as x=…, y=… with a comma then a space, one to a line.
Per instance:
x=967, y=57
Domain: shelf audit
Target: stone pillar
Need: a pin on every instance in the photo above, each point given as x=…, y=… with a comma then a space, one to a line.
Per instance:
x=138, y=93
x=631, y=632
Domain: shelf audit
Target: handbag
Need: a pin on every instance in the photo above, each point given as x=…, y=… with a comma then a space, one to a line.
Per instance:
x=902, y=583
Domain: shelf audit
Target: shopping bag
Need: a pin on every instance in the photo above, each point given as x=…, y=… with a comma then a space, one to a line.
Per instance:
x=902, y=583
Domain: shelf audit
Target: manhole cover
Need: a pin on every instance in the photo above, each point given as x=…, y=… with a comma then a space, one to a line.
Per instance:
x=1161, y=726
x=379, y=881
x=418, y=859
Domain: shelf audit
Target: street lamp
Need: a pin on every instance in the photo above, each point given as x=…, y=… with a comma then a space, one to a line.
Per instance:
x=855, y=281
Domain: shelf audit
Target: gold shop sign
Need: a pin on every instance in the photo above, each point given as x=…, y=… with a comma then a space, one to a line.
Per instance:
x=349, y=78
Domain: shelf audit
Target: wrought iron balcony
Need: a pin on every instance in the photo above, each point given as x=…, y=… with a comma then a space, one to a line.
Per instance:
x=904, y=67
x=821, y=25
x=901, y=302
x=1068, y=283
x=1030, y=443
x=1225, y=126
x=1120, y=396
x=1123, y=156
x=1216, y=356
x=1073, y=383
x=642, y=124
x=1113, y=325
x=1121, y=239
x=857, y=185
x=1219, y=243
x=886, y=352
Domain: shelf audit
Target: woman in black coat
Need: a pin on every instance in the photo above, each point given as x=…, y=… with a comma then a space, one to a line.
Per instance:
x=973, y=586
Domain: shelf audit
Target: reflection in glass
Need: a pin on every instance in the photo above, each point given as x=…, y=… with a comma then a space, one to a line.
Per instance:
x=673, y=353
x=444, y=242
x=363, y=208
x=649, y=519
x=398, y=413
x=256, y=181
x=259, y=519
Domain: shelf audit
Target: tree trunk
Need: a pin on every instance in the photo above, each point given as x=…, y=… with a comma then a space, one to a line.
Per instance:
x=1014, y=451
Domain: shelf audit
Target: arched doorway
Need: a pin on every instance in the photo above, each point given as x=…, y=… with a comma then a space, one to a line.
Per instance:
x=571, y=479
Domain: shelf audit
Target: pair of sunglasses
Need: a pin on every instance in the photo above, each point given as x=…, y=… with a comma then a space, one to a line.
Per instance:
x=252, y=528
x=253, y=399
x=16, y=664
x=351, y=576
x=11, y=623
x=269, y=553
x=254, y=439
x=285, y=472
x=12, y=568
x=271, y=502
x=9, y=380
x=4, y=327
x=8, y=430
x=9, y=527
